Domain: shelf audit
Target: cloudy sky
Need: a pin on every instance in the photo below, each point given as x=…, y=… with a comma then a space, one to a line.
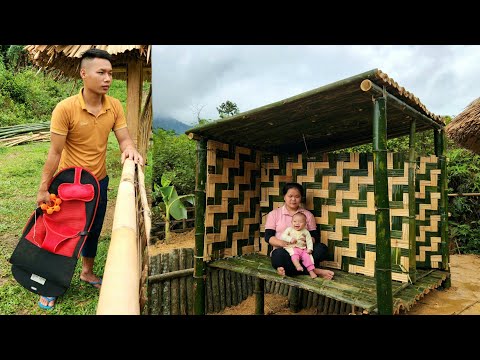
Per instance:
x=192, y=79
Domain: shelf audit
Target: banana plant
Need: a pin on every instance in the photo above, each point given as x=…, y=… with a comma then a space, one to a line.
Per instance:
x=172, y=204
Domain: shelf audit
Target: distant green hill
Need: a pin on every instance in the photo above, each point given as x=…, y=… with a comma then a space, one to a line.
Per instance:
x=169, y=123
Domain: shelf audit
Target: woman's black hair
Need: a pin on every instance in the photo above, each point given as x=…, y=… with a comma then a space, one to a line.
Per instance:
x=292, y=185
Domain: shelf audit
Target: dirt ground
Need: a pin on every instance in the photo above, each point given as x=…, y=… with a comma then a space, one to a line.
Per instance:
x=462, y=298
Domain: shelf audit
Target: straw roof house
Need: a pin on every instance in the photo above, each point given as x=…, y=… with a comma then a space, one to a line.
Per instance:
x=129, y=62
x=465, y=127
x=66, y=58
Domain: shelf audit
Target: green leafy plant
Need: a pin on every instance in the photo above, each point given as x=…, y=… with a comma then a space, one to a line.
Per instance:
x=172, y=204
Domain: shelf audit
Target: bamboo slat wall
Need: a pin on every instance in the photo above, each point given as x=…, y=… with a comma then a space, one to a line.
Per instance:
x=340, y=194
x=427, y=197
x=244, y=185
x=233, y=193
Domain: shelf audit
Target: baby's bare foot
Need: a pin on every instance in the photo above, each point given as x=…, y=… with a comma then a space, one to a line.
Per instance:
x=312, y=274
x=281, y=271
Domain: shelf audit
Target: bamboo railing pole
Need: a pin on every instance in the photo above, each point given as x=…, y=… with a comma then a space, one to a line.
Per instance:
x=119, y=293
x=412, y=243
x=170, y=275
x=145, y=208
x=383, y=263
x=464, y=194
x=440, y=151
x=200, y=203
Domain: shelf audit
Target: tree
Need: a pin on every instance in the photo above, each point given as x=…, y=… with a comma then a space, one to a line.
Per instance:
x=175, y=156
x=172, y=204
x=227, y=108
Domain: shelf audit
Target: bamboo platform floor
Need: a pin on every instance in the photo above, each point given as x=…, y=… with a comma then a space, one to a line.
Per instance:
x=357, y=290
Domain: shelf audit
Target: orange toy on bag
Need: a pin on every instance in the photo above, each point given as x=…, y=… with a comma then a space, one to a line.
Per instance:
x=53, y=205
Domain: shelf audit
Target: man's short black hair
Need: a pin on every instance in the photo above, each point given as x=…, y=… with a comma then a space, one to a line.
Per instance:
x=96, y=53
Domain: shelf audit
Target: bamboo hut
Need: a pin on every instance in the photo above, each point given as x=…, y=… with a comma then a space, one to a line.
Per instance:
x=464, y=129
x=382, y=215
x=125, y=276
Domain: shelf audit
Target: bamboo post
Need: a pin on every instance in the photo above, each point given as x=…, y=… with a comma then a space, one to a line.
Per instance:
x=440, y=151
x=238, y=283
x=221, y=287
x=294, y=299
x=134, y=96
x=412, y=243
x=233, y=288
x=200, y=203
x=153, y=288
x=383, y=263
x=209, y=291
x=119, y=294
x=183, y=282
x=174, y=283
x=259, y=296
x=228, y=286
x=166, y=297
x=190, y=282
x=215, y=291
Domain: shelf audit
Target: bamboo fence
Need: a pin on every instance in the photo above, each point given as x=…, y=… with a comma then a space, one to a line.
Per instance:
x=124, y=280
x=170, y=290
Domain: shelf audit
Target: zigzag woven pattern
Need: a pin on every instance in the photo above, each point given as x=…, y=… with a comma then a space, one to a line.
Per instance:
x=427, y=197
x=243, y=186
x=233, y=193
x=339, y=192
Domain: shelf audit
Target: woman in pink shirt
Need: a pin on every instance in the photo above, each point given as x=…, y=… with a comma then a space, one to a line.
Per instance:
x=281, y=218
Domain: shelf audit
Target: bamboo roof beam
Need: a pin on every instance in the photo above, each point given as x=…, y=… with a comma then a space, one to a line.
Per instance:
x=367, y=85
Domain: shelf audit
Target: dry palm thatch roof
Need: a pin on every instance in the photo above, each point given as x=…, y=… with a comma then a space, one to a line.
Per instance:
x=465, y=127
x=66, y=58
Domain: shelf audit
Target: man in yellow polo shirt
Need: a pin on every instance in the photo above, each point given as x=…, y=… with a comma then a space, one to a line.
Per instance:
x=79, y=131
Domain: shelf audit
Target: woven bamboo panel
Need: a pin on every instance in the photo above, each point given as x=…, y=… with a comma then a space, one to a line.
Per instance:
x=233, y=196
x=428, y=225
x=340, y=194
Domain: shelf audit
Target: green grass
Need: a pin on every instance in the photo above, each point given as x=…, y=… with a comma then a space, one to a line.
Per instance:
x=20, y=170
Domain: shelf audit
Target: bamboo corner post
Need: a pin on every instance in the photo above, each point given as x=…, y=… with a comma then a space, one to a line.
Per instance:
x=383, y=263
x=440, y=151
x=412, y=240
x=200, y=202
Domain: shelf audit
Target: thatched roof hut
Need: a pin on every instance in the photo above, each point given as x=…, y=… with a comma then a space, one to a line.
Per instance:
x=129, y=62
x=66, y=58
x=464, y=129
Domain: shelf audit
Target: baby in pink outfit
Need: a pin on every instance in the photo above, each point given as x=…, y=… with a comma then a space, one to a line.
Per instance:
x=301, y=244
